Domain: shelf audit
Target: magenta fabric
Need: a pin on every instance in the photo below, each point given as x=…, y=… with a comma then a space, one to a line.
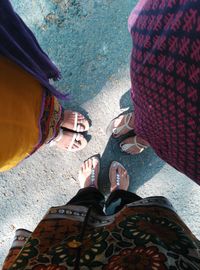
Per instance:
x=165, y=77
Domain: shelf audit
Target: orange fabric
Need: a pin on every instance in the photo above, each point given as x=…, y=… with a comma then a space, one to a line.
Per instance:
x=20, y=109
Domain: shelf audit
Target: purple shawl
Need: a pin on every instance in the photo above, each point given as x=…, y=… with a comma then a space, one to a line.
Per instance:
x=18, y=43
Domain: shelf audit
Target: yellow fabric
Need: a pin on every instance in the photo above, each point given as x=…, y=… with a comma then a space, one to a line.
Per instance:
x=20, y=108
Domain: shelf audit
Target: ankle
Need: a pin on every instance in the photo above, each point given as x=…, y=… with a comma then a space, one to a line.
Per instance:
x=132, y=121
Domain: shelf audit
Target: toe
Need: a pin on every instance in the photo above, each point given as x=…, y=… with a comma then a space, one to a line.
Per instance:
x=82, y=123
x=84, y=166
x=76, y=145
x=85, y=124
x=125, y=175
x=95, y=164
x=90, y=163
x=80, y=116
x=80, y=127
x=119, y=170
x=87, y=164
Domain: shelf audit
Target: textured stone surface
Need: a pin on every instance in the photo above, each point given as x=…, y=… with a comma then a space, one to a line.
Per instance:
x=89, y=41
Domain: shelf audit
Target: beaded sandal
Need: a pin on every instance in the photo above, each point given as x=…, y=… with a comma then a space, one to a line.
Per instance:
x=117, y=184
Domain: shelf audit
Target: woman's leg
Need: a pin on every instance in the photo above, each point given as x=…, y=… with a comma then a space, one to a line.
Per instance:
x=89, y=195
x=119, y=196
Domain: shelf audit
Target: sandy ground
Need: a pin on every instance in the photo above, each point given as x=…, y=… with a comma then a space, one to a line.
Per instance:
x=89, y=41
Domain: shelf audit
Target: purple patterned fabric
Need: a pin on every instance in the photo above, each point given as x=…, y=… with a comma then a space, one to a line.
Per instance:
x=165, y=75
x=19, y=44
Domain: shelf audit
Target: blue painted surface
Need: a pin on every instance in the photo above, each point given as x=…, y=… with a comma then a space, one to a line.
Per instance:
x=88, y=40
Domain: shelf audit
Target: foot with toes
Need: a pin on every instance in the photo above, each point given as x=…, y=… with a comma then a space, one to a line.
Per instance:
x=70, y=137
x=122, y=125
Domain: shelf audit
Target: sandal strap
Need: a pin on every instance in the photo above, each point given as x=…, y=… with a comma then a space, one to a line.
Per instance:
x=93, y=174
x=79, y=125
x=127, y=146
x=75, y=121
x=75, y=137
x=92, y=177
x=127, y=119
x=78, y=128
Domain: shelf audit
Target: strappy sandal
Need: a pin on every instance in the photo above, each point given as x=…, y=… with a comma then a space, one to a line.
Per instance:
x=115, y=131
x=117, y=183
x=93, y=175
x=78, y=125
x=125, y=147
x=76, y=138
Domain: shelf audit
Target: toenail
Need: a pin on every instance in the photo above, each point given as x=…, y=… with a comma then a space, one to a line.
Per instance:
x=114, y=164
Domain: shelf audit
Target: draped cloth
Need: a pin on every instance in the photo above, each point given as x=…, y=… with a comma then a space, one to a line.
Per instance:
x=21, y=105
x=29, y=115
x=144, y=234
x=165, y=76
x=19, y=44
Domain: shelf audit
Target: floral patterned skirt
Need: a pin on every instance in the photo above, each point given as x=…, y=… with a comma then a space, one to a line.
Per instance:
x=145, y=234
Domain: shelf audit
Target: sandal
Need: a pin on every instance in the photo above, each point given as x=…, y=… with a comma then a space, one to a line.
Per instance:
x=77, y=138
x=125, y=147
x=79, y=125
x=116, y=183
x=91, y=180
x=115, y=131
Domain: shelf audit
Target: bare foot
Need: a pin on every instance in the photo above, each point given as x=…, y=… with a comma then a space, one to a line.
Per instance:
x=121, y=125
x=118, y=175
x=71, y=141
x=88, y=174
x=133, y=145
x=75, y=121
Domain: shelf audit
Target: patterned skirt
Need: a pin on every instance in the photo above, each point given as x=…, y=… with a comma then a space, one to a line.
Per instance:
x=165, y=77
x=146, y=234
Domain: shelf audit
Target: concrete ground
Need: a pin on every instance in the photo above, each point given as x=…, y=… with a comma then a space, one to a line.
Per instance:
x=89, y=41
